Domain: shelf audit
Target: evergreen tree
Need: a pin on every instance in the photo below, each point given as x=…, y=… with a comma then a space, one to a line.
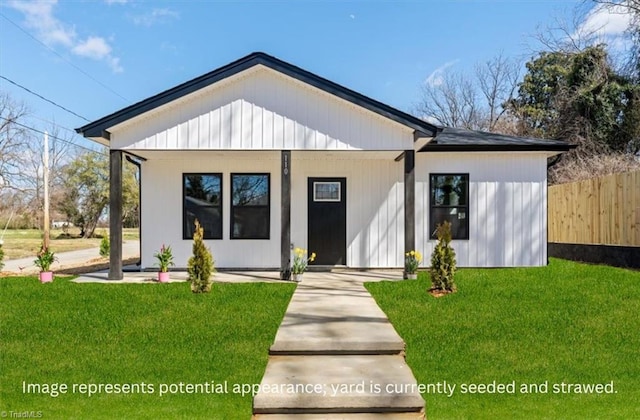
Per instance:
x=200, y=265
x=443, y=261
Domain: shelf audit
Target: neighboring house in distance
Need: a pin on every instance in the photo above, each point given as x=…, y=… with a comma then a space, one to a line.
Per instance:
x=58, y=224
x=266, y=155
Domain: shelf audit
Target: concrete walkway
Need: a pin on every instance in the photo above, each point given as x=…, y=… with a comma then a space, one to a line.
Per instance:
x=24, y=266
x=336, y=356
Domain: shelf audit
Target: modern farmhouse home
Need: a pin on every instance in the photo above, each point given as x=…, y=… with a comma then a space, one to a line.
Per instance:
x=268, y=156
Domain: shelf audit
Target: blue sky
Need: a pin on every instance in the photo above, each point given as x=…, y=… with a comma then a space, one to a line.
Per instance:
x=95, y=57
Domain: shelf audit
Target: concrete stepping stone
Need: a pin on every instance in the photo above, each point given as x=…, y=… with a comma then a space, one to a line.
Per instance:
x=342, y=416
x=340, y=319
x=336, y=356
x=338, y=384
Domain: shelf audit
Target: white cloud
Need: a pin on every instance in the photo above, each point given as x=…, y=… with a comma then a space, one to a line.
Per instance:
x=110, y=2
x=93, y=47
x=114, y=63
x=436, y=78
x=39, y=16
x=608, y=22
x=155, y=16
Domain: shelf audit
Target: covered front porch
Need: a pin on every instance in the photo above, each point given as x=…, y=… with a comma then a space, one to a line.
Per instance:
x=378, y=194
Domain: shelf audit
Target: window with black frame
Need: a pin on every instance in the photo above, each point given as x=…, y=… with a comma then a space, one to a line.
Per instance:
x=202, y=200
x=449, y=200
x=250, y=211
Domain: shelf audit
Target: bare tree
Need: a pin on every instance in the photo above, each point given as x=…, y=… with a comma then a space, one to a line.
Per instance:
x=476, y=102
x=13, y=139
x=631, y=64
x=567, y=36
x=61, y=151
x=632, y=6
x=498, y=80
x=451, y=101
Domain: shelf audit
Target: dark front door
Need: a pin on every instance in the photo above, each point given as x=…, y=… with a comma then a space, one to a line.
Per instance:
x=327, y=220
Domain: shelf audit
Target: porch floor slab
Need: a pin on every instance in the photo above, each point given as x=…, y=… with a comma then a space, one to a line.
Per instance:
x=242, y=276
x=181, y=276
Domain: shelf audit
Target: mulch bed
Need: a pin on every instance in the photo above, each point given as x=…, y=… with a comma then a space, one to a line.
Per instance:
x=439, y=293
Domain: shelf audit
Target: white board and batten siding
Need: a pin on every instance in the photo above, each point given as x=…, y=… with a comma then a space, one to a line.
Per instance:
x=507, y=207
x=375, y=204
x=260, y=109
x=375, y=210
x=162, y=206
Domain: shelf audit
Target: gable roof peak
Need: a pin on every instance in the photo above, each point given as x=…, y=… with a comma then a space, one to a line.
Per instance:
x=100, y=127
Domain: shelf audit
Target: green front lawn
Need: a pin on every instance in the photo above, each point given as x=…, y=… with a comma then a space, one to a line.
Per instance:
x=566, y=323
x=66, y=333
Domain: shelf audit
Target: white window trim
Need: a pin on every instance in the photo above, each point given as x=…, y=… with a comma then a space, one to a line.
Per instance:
x=333, y=200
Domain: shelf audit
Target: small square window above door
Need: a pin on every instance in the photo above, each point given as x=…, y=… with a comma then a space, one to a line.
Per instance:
x=326, y=191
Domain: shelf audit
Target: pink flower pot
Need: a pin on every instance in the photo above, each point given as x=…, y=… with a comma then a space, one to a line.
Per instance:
x=46, y=276
x=163, y=276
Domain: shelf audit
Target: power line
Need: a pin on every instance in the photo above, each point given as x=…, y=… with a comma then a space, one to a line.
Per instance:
x=64, y=59
x=53, y=137
x=53, y=123
x=43, y=98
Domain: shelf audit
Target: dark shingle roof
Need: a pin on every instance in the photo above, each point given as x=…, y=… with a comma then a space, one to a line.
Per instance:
x=99, y=127
x=457, y=140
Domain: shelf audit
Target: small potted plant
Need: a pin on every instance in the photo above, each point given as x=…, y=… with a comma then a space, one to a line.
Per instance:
x=43, y=260
x=412, y=261
x=165, y=260
x=300, y=263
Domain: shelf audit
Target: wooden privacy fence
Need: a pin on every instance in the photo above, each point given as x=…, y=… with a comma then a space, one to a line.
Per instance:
x=603, y=210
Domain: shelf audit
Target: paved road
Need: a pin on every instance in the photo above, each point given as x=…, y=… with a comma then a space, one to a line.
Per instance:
x=130, y=249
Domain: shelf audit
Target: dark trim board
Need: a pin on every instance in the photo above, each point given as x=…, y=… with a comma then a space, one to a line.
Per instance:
x=614, y=255
x=409, y=201
x=115, y=215
x=285, y=215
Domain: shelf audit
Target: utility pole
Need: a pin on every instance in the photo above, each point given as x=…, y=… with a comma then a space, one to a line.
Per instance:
x=46, y=190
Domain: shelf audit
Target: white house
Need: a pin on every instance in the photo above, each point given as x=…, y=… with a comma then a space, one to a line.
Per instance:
x=267, y=155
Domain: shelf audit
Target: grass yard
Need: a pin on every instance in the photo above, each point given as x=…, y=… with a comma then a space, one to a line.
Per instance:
x=568, y=322
x=21, y=243
x=67, y=333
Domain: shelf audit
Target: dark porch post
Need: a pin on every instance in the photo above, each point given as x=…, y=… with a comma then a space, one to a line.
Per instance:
x=115, y=215
x=409, y=202
x=285, y=211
